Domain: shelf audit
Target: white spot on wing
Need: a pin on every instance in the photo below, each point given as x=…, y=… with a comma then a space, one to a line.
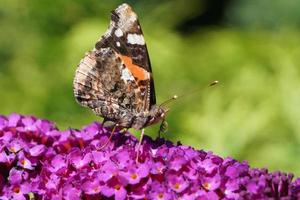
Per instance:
x=135, y=39
x=119, y=32
x=126, y=75
x=118, y=44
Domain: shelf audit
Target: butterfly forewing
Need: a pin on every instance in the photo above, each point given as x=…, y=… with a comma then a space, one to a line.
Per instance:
x=125, y=36
x=114, y=79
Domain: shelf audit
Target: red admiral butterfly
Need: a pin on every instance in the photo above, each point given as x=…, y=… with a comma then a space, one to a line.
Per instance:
x=115, y=78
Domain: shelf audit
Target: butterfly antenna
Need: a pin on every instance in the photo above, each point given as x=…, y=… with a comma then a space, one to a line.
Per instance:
x=183, y=95
x=188, y=94
x=214, y=83
x=169, y=100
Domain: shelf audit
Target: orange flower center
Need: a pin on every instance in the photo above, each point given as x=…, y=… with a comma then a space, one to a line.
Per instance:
x=177, y=186
x=118, y=187
x=159, y=170
x=13, y=149
x=206, y=186
x=67, y=145
x=23, y=162
x=160, y=195
x=16, y=189
x=134, y=176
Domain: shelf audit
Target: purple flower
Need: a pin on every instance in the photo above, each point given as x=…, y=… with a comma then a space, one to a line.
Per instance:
x=91, y=187
x=17, y=192
x=231, y=189
x=37, y=150
x=15, y=176
x=71, y=193
x=157, y=167
x=24, y=162
x=78, y=159
x=135, y=173
x=13, y=120
x=177, y=183
x=52, y=181
x=38, y=161
x=211, y=183
x=159, y=191
x=58, y=163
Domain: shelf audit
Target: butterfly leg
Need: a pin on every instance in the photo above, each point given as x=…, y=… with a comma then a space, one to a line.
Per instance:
x=139, y=145
x=110, y=137
x=163, y=128
x=124, y=130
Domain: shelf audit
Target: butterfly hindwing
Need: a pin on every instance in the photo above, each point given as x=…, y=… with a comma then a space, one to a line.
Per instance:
x=101, y=82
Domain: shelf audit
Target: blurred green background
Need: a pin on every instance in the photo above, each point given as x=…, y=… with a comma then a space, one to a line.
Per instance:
x=251, y=47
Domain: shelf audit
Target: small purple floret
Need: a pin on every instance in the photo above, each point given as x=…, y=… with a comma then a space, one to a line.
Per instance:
x=38, y=161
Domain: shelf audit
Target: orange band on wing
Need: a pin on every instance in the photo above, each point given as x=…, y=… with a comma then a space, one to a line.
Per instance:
x=136, y=70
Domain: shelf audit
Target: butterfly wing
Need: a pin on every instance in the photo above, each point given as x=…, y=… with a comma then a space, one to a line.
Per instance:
x=125, y=36
x=114, y=79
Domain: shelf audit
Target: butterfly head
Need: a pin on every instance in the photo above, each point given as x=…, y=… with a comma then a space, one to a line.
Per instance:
x=153, y=116
x=157, y=113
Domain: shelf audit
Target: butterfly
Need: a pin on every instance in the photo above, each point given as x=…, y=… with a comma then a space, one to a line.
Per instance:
x=115, y=79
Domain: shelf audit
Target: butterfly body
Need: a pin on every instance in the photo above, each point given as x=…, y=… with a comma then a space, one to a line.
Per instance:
x=115, y=78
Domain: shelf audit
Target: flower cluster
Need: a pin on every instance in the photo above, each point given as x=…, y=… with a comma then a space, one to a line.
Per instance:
x=37, y=161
